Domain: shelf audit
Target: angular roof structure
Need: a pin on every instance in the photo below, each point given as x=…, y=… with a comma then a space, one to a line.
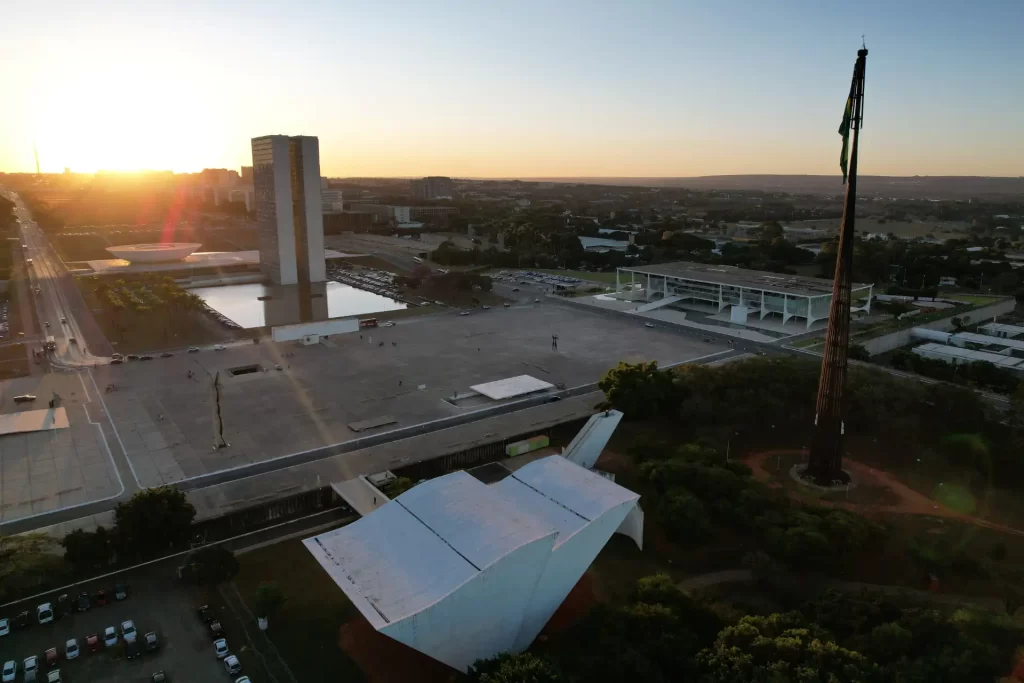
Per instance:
x=460, y=570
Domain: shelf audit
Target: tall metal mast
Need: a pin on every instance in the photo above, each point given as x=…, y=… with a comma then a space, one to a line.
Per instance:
x=825, y=462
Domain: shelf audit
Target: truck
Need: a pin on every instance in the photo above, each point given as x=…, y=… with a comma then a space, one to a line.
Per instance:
x=51, y=343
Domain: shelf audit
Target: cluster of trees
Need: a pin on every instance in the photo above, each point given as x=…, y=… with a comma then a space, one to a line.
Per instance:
x=980, y=374
x=663, y=634
x=772, y=400
x=150, y=302
x=457, y=281
x=695, y=492
x=152, y=523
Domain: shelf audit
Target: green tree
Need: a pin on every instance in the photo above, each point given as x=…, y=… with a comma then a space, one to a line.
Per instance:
x=153, y=522
x=522, y=667
x=400, y=486
x=269, y=599
x=858, y=352
x=212, y=565
x=639, y=390
x=88, y=550
x=28, y=562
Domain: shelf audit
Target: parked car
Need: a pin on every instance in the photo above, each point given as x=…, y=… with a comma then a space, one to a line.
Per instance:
x=109, y=636
x=146, y=357
x=10, y=671
x=21, y=619
x=117, y=356
x=133, y=356
x=219, y=347
x=193, y=349
x=44, y=613
x=84, y=602
x=216, y=630
x=116, y=361
x=232, y=665
x=92, y=642
x=120, y=591
x=5, y=627
x=166, y=354
x=220, y=648
x=128, y=631
x=100, y=598
x=53, y=676
x=71, y=649
x=24, y=398
x=31, y=667
x=151, y=642
x=131, y=649
x=51, y=657
x=64, y=607
x=159, y=677
x=205, y=614
x=242, y=679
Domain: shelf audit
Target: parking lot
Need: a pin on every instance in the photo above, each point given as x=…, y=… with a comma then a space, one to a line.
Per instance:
x=155, y=603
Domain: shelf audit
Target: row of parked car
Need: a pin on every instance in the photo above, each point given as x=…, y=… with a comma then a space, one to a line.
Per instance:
x=220, y=644
x=46, y=612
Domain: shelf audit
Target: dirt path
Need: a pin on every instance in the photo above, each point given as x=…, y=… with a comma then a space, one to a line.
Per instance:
x=910, y=502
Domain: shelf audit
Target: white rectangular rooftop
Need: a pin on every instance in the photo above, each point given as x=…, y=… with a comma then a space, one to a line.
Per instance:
x=33, y=421
x=511, y=387
x=957, y=354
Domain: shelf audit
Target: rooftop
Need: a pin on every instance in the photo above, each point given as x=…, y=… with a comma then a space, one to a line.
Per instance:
x=417, y=549
x=511, y=387
x=202, y=259
x=969, y=355
x=741, y=277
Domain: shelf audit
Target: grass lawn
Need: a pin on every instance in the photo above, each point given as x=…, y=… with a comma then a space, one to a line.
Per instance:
x=307, y=630
x=973, y=299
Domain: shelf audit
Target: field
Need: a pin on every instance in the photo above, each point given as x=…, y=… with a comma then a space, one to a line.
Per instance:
x=307, y=631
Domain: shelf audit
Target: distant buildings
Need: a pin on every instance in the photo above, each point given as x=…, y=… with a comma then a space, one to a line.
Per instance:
x=331, y=199
x=432, y=187
x=600, y=245
x=221, y=185
x=289, y=208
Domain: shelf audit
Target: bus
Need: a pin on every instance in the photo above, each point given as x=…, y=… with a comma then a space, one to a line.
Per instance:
x=51, y=343
x=368, y=322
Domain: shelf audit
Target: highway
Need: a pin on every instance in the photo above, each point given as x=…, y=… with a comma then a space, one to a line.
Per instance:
x=47, y=276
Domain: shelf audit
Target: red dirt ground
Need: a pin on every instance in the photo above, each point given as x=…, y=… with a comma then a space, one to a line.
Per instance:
x=910, y=501
x=384, y=660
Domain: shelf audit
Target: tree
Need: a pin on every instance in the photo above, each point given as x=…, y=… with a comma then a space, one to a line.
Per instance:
x=858, y=352
x=86, y=551
x=269, y=599
x=522, y=667
x=639, y=390
x=400, y=486
x=153, y=522
x=212, y=565
x=27, y=563
x=958, y=323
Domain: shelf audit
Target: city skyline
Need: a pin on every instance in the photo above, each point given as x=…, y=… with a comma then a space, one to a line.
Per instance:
x=651, y=90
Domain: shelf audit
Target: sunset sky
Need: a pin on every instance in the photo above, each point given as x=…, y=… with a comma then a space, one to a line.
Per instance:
x=514, y=89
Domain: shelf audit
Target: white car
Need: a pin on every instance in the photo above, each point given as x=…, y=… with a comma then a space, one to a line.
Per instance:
x=10, y=671
x=387, y=324
x=232, y=665
x=53, y=676
x=71, y=649
x=109, y=636
x=5, y=627
x=464, y=313
x=128, y=630
x=242, y=679
x=220, y=646
x=44, y=613
x=648, y=325
x=31, y=667
x=218, y=347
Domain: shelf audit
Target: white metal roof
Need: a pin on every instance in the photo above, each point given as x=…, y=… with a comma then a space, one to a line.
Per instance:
x=1008, y=330
x=415, y=550
x=955, y=353
x=989, y=340
x=511, y=386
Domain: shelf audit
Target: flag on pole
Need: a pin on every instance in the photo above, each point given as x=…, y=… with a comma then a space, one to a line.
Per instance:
x=844, y=130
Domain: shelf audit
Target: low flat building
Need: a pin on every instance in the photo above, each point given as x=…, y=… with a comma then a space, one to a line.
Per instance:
x=1002, y=330
x=957, y=355
x=743, y=292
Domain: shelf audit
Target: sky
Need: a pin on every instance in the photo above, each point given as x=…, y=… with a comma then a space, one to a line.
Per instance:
x=549, y=88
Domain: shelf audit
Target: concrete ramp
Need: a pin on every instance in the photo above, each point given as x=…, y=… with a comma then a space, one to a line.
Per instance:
x=658, y=304
x=360, y=494
x=586, y=447
x=33, y=421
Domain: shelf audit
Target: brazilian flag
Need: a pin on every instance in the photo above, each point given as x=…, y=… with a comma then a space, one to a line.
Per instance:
x=844, y=130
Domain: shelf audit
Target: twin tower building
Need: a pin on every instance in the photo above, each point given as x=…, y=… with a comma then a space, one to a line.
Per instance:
x=286, y=180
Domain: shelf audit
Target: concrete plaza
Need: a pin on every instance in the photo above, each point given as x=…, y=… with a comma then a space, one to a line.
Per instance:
x=165, y=419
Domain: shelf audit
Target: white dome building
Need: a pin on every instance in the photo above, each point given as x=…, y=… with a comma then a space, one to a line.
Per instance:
x=164, y=252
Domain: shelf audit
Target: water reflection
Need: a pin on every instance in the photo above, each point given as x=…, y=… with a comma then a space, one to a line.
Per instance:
x=291, y=304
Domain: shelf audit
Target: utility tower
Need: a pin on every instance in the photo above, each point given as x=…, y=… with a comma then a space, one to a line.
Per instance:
x=825, y=462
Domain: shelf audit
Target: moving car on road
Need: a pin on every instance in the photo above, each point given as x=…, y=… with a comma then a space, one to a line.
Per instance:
x=24, y=398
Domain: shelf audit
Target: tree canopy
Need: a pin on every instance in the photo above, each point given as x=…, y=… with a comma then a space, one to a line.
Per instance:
x=153, y=522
